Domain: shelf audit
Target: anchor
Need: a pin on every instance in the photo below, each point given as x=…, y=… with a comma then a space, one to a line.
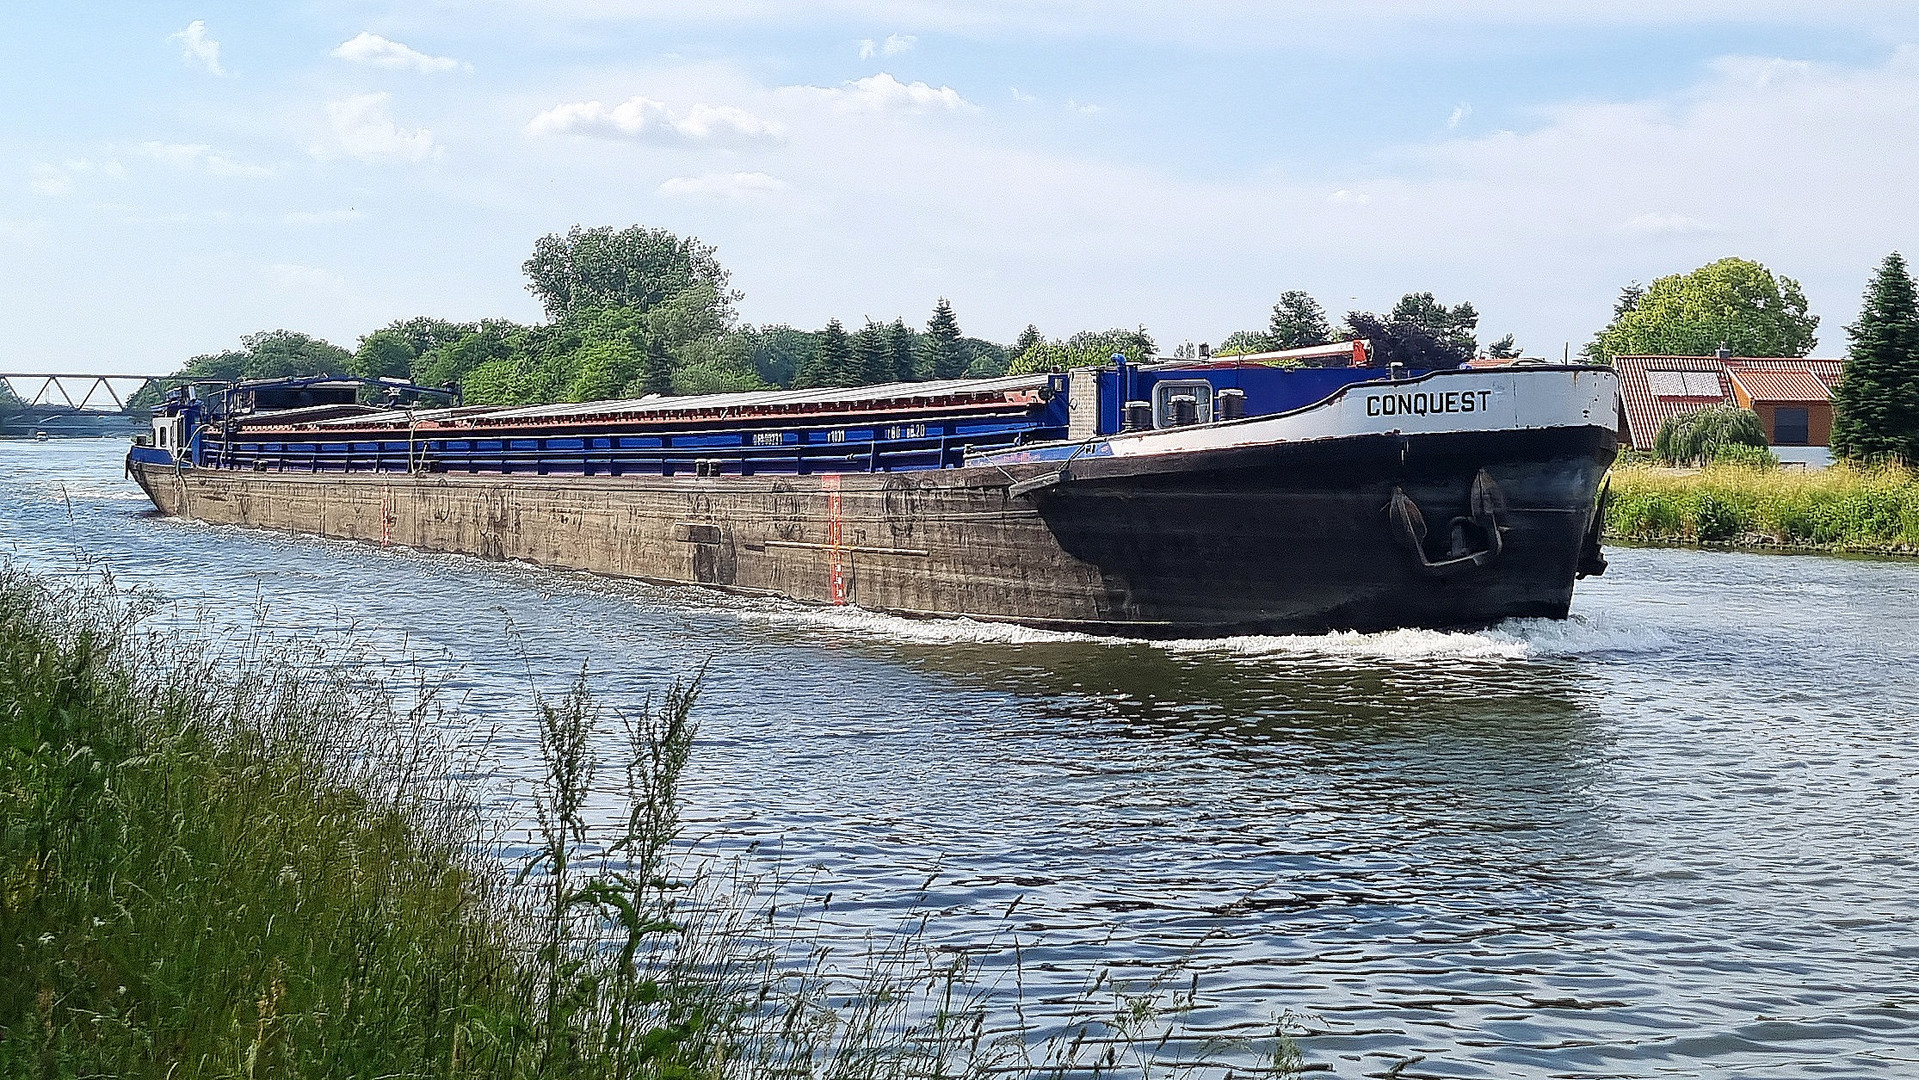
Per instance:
x=1484, y=509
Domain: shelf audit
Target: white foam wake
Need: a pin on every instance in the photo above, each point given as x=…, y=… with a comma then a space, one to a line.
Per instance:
x=1515, y=639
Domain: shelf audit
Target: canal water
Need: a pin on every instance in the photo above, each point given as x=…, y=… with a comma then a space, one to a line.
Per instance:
x=1677, y=835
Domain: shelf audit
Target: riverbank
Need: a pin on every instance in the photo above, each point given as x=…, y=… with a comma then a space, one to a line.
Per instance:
x=253, y=859
x=1840, y=509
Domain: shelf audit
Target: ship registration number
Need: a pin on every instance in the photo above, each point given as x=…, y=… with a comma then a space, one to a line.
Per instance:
x=1429, y=402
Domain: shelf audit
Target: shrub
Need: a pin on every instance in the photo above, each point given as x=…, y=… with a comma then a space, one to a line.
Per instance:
x=1696, y=437
x=1745, y=456
x=1717, y=518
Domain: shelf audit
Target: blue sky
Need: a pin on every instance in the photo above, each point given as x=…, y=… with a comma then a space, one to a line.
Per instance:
x=176, y=175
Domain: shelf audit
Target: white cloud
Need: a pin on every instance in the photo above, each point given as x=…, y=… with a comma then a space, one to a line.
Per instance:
x=736, y=186
x=1022, y=96
x=201, y=156
x=321, y=217
x=1665, y=225
x=894, y=45
x=1081, y=107
x=646, y=120
x=1460, y=113
x=306, y=279
x=882, y=92
x=60, y=180
x=196, y=47
x=370, y=48
x=1346, y=197
x=359, y=127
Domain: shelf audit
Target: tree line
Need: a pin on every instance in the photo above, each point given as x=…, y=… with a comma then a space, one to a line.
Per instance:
x=638, y=311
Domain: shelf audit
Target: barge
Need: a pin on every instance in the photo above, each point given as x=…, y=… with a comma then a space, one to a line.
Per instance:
x=1210, y=497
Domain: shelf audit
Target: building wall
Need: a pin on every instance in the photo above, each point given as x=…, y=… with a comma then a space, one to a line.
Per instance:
x=1818, y=420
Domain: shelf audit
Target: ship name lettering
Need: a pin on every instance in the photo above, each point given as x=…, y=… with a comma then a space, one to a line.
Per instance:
x=1425, y=403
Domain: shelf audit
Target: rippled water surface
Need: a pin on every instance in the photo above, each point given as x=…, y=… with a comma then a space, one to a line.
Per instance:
x=1674, y=836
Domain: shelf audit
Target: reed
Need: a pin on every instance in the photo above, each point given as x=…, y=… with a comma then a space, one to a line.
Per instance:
x=1843, y=508
x=254, y=860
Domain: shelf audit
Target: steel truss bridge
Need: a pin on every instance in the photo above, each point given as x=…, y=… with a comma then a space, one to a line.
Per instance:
x=57, y=403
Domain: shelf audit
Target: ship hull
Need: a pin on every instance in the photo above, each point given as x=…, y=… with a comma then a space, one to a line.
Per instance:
x=1272, y=538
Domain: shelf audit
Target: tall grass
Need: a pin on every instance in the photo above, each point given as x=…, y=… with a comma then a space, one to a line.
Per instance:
x=254, y=861
x=1840, y=509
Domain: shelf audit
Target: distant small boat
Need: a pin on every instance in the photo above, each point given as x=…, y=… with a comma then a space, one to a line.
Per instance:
x=39, y=436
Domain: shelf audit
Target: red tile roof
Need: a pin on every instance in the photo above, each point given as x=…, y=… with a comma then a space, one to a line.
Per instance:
x=1643, y=411
x=1776, y=385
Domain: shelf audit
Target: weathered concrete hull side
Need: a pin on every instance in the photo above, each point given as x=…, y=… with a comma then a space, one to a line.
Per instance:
x=1282, y=539
x=918, y=542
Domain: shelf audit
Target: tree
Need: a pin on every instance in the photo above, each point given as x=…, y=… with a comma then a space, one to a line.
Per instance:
x=1876, y=404
x=634, y=267
x=383, y=354
x=780, y=352
x=1736, y=303
x=424, y=333
x=1028, y=338
x=1697, y=437
x=1086, y=349
x=872, y=359
x=1297, y=322
x=1503, y=349
x=944, y=357
x=899, y=348
x=270, y=354
x=1420, y=332
x=829, y=364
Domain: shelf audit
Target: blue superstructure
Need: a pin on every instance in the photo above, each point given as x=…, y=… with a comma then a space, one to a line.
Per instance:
x=316, y=425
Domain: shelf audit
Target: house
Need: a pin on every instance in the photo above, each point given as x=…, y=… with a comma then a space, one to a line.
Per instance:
x=1792, y=395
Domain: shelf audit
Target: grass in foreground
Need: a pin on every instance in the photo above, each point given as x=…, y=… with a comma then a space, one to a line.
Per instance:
x=1837, y=509
x=257, y=866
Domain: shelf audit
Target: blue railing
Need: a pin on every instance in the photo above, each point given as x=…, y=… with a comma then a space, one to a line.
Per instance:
x=879, y=448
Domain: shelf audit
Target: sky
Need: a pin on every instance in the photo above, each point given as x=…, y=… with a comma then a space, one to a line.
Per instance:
x=176, y=175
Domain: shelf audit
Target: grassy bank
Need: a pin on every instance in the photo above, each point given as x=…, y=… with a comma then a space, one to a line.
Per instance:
x=1837, y=509
x=257, y=866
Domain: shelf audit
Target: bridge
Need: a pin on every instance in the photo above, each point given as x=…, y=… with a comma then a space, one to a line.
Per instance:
x=61, y=403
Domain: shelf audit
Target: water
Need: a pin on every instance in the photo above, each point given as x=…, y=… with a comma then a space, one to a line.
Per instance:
x=1675, y=836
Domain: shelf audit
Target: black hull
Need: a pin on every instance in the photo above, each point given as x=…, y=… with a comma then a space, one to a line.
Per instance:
x=1299, y=538
x=1278, y=538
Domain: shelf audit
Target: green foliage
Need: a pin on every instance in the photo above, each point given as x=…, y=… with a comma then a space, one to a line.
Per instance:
x=1088, y=348
x=945, y=359
x=1420, y=332
x=1503, y=349
x=984, y=359
x=1734, y=302
x=270, y=354
x=217, y=866
x=1876, y=404
x=1697, y=437
x=1243, y=342
x=383, y=354
x=1297, y=322
x=831, y=363
x=1841, y=508
x=635, y=267
x=1028, y=338
x=1745, y=455
x=779, y=352
x=872, y=355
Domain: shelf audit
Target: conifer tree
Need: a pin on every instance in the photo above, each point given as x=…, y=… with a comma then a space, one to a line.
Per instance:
x=945, y=359
x=899, y=346
x=1876, y=404
x=872, y=360
x=1028, y=338
x=829, y=363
